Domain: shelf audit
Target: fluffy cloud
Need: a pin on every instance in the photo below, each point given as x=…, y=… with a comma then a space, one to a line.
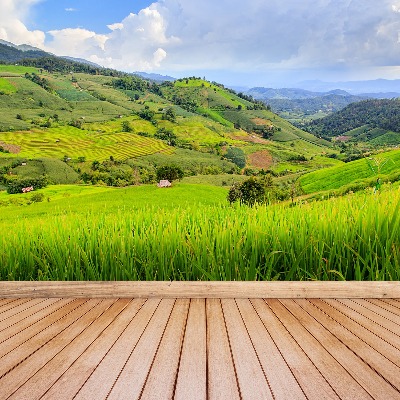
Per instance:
x=76, y=42
x=256, y=35
x=12, y=27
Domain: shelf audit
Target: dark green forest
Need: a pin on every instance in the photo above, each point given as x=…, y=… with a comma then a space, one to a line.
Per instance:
x=381, y=114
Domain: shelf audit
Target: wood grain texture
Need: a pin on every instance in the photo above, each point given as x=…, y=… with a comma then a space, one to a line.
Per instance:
x=360, y=360
x=175, y=289
x=222, y=381
x=192, y=374
x=198, y=349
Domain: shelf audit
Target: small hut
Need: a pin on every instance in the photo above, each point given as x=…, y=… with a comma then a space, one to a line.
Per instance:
x=164, y=183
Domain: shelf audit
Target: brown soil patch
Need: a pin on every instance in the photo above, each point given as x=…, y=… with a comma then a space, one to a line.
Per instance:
x=12, y=148
x=250, y=139
x=261, y=121
x=260, y=159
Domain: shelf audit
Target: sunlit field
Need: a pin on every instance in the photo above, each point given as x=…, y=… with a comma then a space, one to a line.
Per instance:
x=189, y=232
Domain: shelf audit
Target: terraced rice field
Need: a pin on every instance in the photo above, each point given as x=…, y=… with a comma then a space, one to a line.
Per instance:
x=74, y=143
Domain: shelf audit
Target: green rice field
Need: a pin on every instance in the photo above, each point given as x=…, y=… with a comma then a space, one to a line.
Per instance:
x=338, y=176
x=189, y=232
x=74, y=142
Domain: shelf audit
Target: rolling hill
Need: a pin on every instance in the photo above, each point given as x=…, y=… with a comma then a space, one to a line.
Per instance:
x=355, y=175
x=55, y=108
x=374, y=121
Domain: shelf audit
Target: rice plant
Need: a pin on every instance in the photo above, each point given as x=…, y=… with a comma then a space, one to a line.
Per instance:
x=351, y=238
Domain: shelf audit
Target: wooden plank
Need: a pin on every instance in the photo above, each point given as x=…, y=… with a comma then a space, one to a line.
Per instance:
x=282, y=382
x=380, y=326
x=20, y=348
x=192, y=374
x=42, y=381
x=86, y=364
x=28, y=368
x=18, y=309
x=100, y=289
x=4, y=302
x=36, y=305
x=366, y=334
x=160, y=383
x=38, y=334
x=307, y=375
x=316, y=343
x=27, y=324
x=101, y=381
x=252, y=381
x=12, y=303
x=131, y=381
x=222, y=382
x=382, y=310
x=395, y=303
x=371, y=360
x=391, y=305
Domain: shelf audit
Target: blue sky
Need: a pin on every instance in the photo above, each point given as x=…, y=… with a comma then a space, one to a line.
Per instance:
x=94, y=15
x=273, y=43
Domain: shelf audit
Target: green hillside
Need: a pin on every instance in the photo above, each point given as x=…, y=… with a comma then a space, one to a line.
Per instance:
x=360, y=173
x=373, y=121
x=48, y=112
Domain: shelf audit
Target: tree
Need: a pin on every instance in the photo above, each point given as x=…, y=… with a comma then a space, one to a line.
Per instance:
x=170, y=115
x=126, y=126
x=237, y=156
x=248, y=192
x=169, y=172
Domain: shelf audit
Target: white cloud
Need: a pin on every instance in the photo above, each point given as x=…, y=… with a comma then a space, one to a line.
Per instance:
x=257, y=35
x=115, y=26
x=76, y=42
x=12, y=27
x=70, y=9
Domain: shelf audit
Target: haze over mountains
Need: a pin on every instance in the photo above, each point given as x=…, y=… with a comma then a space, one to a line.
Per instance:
x=379, y=88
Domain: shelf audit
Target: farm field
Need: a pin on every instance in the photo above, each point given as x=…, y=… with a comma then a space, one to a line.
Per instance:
x=73, y=142
x=191, y=233
x=383, y=165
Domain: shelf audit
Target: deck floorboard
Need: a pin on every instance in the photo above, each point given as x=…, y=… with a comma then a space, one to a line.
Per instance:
x=199, y=348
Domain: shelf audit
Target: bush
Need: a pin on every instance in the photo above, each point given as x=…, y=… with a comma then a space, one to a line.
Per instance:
x=37, y=197
x=237, y=156
x=16, y=185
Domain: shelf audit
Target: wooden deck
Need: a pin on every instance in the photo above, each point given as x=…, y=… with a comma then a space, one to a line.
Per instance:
x=199, y=347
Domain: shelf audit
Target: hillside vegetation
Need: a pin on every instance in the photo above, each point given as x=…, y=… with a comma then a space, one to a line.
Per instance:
x=60, y=109
x=81, y=151
x=376, y=121
x=301, y=106
x=354, y=175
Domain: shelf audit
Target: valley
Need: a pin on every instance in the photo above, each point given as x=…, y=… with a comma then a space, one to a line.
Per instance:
x=93, y=143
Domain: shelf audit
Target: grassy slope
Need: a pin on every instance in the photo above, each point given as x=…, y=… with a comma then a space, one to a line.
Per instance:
x=80, y=199
x=336, y=177
x=91, y=100
x=189, y=232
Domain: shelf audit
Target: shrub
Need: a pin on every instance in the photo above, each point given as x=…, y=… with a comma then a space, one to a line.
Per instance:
x=237, y=156
x=37, y=197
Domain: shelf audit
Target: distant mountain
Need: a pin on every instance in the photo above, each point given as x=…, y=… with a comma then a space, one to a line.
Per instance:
x=11, y=54
x=22, y=47
x=155, y=77
x=384, y=87
x=264, y=94
x=82, y=61
x=15, y=53
x=303, y=102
